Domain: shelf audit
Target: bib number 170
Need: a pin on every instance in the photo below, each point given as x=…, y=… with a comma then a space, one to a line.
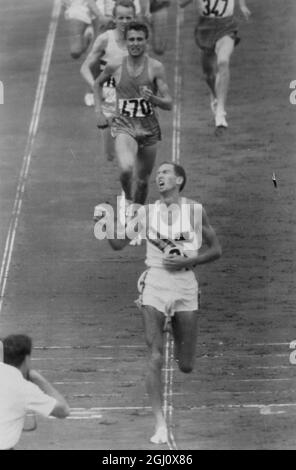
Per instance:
x=137, y=107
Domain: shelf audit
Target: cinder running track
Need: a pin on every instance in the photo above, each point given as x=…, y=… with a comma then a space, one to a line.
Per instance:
x=75, y=296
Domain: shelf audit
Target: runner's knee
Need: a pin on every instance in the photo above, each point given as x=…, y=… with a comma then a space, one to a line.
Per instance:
x=208, y=67
x=126, y=176
x=209, y=77
x=156, y=360
x=223, y=63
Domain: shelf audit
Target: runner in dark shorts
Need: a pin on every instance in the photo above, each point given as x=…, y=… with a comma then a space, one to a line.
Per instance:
x=216, y=34
x=145, y=131
x=156, y=13
x=209, y=30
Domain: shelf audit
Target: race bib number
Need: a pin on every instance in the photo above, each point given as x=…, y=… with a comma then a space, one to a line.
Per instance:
x=217, y=8
x=109, y=91
x=136, y=107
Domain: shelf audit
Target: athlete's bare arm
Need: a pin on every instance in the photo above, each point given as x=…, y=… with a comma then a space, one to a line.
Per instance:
x=244, y=9
x=97, y=51
x=109, y=71
x=212, y=252
x=95, y=10
x=163, y=100
x=209, y=237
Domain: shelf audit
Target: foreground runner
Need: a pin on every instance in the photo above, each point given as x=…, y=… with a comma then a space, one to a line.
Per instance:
x=216, y=34
x=175, y=227
x=109, y=46
x=140, y=87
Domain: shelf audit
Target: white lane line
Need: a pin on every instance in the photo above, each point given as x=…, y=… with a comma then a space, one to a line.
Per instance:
x=270, y=367
x=110, y=408
x=245, y=406
x=233, y=355
x=202, y=407
x=168, y=388
x=264, y=409
x=270, y=344
x=95, y=358
x=96, y=413
x=266, y=380
x=177, y=90
x=139, y=346
x=39, y=97
x=169, y=342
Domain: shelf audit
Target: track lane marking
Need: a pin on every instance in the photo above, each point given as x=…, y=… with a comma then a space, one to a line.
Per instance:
x=23, y=176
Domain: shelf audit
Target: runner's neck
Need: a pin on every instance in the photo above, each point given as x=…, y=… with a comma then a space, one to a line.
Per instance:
x=119, y=38
x=135, y=65
x=170, y=199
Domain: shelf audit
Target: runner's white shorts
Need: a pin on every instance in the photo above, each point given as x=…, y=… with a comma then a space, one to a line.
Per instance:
x=168, y=292
x=78, y=12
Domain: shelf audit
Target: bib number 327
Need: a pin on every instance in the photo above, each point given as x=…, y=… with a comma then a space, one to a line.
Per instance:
x=215, y=7
x=137, y=107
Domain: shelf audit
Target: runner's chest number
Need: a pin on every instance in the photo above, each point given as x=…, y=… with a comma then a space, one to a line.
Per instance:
x=136, y=107
x=214, y=7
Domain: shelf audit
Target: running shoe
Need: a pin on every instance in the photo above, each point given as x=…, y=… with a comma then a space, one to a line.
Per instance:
x=89, y=99
x=221, y=123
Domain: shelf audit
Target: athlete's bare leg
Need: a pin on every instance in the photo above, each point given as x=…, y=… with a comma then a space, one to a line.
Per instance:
x=224, y=49
x=159, y=24
x=184, y=326
x=108, y=144
x=209, y=67
x=144, y=166
x=78, y=42
x=126, y=149
x=153, y=325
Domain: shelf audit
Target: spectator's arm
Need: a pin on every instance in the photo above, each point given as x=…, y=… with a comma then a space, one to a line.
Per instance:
x=61, y=409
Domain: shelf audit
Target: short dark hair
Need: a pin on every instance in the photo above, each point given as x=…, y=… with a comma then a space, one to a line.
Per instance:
x=16, y=348
x=137, y=26
x=124, y=3
x=179, y=171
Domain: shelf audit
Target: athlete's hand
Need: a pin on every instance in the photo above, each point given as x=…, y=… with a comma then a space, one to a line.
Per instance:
x=102, y=121
x=246, y=12
x=176, y=262
x=146, y=93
